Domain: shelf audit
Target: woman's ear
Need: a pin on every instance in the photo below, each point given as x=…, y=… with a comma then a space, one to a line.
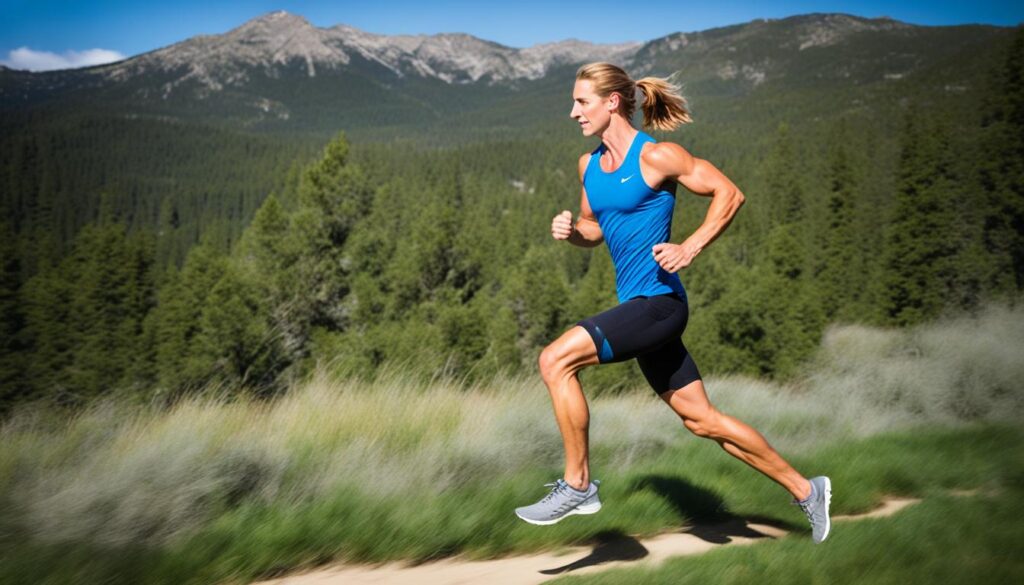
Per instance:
x=613, y=102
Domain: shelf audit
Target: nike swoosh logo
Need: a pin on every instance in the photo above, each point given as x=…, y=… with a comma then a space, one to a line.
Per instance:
x=626, y=179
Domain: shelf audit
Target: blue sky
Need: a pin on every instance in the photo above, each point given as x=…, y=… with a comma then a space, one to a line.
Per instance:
x=41, y=34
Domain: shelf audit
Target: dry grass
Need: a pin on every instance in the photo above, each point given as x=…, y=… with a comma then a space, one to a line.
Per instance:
x=115, y=476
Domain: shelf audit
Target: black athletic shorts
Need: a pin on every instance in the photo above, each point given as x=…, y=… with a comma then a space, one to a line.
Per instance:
x=649, y=329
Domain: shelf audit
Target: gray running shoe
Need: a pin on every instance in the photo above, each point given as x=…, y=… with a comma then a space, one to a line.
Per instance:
x=561, y=502
x=816, y=507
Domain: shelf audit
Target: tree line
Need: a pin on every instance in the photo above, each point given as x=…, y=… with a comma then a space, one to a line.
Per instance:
x=441, y=261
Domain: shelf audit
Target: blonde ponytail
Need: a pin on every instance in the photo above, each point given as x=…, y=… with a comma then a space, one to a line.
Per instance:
x=664, y=106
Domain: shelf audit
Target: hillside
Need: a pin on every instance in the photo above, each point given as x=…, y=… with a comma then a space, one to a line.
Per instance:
x=881, y=165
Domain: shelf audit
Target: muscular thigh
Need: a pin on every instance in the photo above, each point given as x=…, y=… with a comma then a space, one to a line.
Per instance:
x=689, y=401
x=571, y=351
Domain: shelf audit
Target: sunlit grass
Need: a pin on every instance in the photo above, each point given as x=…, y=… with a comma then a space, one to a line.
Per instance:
x=401, y=467
x=950, y=539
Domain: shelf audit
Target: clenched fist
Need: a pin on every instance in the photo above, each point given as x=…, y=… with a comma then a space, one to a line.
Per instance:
x=674, y=257
x=561, y=225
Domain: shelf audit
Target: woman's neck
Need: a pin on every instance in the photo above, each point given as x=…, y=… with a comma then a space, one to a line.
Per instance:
x=618, y=137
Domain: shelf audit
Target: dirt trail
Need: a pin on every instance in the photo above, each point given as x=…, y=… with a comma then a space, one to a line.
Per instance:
x=522, y=570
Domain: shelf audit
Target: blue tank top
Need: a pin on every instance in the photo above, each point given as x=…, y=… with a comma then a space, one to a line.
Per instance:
x=633, y=218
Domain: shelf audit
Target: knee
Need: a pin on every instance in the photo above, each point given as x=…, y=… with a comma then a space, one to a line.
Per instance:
x=549, y=362
x=554, y=363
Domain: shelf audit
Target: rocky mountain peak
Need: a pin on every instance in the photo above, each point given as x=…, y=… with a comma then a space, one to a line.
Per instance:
x=277, y=19
x=273, y=24
x=815, y=30
x=281, y=39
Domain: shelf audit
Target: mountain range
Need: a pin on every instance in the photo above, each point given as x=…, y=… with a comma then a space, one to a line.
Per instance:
x=278, y=72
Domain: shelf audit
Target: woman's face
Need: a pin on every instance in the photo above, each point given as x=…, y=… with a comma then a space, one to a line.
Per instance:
x=590, y=110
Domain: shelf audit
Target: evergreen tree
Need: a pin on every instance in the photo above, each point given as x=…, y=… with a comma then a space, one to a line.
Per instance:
x=12, y=319
x=236, y=335
x=1000, y=172
x=784, y=180
x=370, y=252
x=503, y=352
x=263, y=250
x=918, y=266
x=142, y=299
x=428, y=259
x=595, y=292
x=463, y=330
x=167, y=237
x=180, y=362
x=333, y=196
x=84, y=320
x=103, y=324
x=791, y=312
x=538, y=295
x=46, y=300
x=840, y=266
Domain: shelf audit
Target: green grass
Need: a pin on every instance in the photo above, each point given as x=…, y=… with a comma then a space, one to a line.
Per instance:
x=685, y=483
x=944, y=539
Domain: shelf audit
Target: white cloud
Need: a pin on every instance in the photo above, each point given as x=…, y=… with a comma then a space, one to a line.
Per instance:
x=26, y=58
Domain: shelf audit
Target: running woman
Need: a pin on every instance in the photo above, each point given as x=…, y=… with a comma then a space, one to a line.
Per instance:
x=627, y=199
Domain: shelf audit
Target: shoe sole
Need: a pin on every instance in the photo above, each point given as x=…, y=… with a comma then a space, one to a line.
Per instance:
x=588, y=509
x=828, y=504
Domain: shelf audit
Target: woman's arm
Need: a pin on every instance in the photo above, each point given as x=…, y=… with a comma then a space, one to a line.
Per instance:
x=671, y=161
x=587, y=232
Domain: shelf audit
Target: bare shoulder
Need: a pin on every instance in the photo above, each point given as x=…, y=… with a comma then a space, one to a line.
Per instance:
x=584, y=160
x=668, y=158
